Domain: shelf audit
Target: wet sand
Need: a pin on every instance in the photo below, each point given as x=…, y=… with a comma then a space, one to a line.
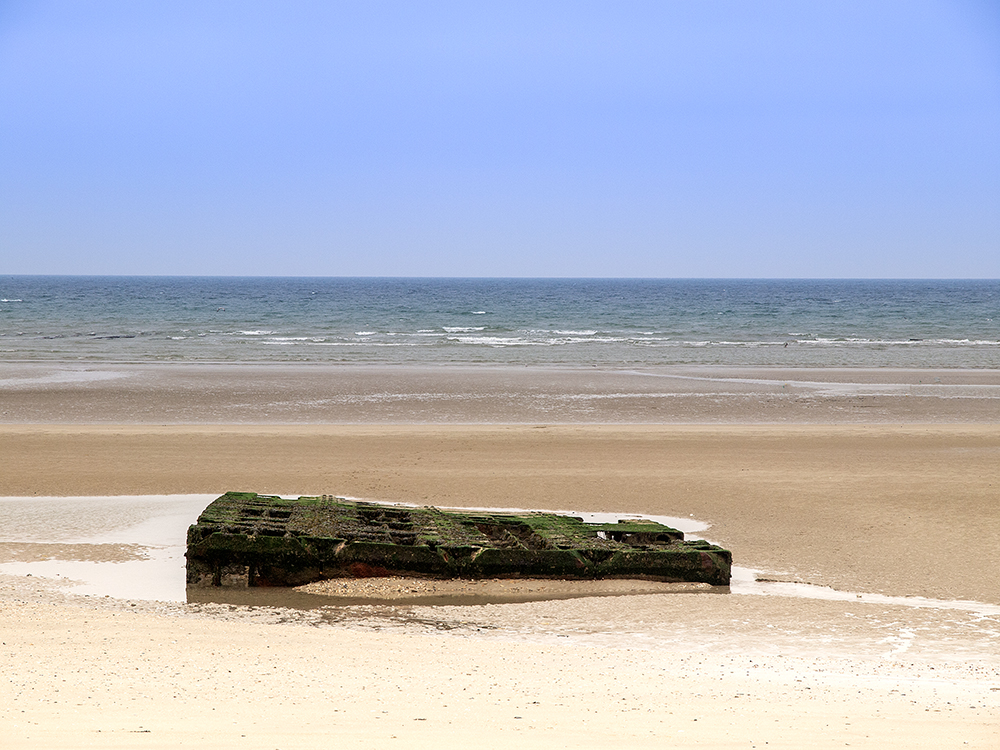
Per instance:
x=903, y=510
x=358, y=394
x=906, y=510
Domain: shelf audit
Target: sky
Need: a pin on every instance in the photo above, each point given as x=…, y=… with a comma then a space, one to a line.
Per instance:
x=565, y=138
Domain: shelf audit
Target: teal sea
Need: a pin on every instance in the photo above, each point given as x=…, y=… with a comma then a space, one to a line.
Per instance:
x=515, y=322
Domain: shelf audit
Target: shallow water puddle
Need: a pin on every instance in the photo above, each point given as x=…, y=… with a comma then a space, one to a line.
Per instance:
x=747, y=581
x=126, y=547
x=132, y=547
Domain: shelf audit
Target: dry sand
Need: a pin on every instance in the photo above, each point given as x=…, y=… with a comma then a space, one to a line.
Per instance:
x=900, y=510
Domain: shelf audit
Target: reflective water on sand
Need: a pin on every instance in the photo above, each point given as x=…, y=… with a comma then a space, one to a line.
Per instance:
x=748, y=581
x=55, y=538
x=132, y=547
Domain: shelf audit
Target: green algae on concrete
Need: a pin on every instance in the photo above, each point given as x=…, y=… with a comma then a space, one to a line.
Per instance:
x=246, y=539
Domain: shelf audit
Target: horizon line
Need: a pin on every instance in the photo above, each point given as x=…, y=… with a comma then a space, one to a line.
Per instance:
x=498, y=278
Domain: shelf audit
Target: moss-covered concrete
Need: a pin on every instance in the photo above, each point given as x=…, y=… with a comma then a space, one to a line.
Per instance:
x=246, y=539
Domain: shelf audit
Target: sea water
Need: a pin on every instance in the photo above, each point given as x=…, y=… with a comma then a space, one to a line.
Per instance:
x=515, y=322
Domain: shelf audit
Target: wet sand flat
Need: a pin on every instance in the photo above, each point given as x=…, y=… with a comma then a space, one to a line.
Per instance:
x=902, y=510
x=367, y=394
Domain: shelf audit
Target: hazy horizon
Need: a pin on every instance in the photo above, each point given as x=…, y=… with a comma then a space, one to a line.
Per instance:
x=524, y=278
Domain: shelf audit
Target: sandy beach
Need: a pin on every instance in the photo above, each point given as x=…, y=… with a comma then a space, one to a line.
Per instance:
x=375, y=291
x=893, y=525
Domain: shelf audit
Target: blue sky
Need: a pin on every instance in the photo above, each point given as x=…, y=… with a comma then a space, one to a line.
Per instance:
x=704, y=138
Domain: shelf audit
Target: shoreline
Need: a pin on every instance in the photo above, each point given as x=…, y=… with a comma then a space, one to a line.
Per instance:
x=292, y=393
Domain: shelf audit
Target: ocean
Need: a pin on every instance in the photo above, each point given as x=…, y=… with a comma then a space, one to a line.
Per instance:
x=612, y=323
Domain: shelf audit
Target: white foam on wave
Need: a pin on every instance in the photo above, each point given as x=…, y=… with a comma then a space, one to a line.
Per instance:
x=494, y=341
x=367, y=344
x=292, y=340
x=824, y=341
